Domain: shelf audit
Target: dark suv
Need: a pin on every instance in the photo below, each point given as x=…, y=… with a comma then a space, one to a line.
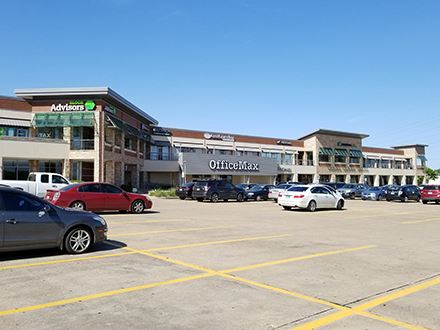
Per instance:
x=215, y=190
x=403, y=193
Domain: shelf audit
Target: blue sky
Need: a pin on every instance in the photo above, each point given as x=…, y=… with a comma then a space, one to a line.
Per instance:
x=272, y=68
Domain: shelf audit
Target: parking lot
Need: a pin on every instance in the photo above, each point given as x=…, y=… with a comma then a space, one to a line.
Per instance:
x=186, y=265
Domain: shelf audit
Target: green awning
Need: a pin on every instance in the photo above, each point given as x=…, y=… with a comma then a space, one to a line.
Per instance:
x=356, y=153
x=422, y=158
x=75, y=119
x=341, y=152
x=326, y=151
x=128, y=129
x=115, y=122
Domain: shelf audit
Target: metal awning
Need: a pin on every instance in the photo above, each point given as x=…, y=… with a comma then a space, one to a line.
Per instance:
x=400, y=159
x=216, y=147
x=188, y=145
x=242, y=148
x=127, y=129
x=341, y=152
x=276, y=151
x=356, y=153
x=15, y=122
x=326, y=151
x=422, y=158
x=72, y=119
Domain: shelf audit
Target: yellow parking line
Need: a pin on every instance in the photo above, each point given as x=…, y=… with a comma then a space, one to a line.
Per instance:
x=44, y=263
x=370, y=304
x=120, y=223
x=169, y=231
x=419, y=221
x=310, y=256
x=245, y=239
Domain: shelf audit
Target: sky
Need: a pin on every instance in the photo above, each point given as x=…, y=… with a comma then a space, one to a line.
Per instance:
x=270, y=68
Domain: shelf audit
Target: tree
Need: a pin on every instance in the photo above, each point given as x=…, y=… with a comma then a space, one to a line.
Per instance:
x=431, y=174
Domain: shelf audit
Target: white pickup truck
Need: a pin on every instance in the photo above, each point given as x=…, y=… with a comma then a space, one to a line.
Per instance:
x=38, y=183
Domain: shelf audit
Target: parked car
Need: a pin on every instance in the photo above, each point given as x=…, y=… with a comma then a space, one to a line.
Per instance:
x=246, y=186
x=403, y=193
x=374, y=193
x=259, y=192
x=38, y=183
x=28, y=222
x=215, y=190
x=310, y=197
x=185, y=191
x=275, y=191
x=352, y=190
x=430, y=193
x=97, y=196
x=334, y=185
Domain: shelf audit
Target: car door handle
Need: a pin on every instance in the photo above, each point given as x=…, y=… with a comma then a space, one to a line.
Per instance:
x=11, y=221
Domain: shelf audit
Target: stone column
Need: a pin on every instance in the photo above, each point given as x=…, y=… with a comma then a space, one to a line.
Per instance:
x=316, y=178
x=415, y=180
x=403, y=182
x=362, y=179
x=295, y=177
x=348, y=178
x=376, y=181
x=391, y=179
x=333, y=178
x=66, y=168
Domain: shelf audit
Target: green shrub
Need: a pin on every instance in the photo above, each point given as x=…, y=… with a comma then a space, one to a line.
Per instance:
x=163, y=193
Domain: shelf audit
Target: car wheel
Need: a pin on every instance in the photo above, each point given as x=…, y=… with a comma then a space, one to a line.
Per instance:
x=437, y=202
x=137, y=206
x=379, y=198
x=287, y=208
x=340, y=205
x=78, y=241
x=426, y=202
x=240, y=198
x=312, y=206
x=200, y=199
x=405, y=199
x=78, y=205
x=214, y=198
x=258, y=198
x=276, y=200
x=182, y=197
x=418, y=200
x=388, y=200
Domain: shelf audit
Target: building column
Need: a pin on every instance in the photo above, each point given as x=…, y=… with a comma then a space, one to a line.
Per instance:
x=391, y=179
x=348, y=178
x=316, y=178
x=415, y=180
x=361, y=179
x=403, y=182
x=376, y=180
x=333, y=178
x=295, y=177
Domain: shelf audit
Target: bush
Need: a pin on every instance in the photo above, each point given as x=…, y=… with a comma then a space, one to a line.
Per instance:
x=163, y=193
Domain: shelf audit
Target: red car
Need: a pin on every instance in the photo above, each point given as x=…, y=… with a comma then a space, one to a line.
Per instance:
x=430, y=193
x=98, y=197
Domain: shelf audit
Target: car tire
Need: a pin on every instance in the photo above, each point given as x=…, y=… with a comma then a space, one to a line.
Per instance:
x=137, y=207
x=379, y=198
x=405, y=199
x=340, y=205
x=240, y=198
x=214, y=198
x=225, y=200
x=287, y=208
x=78, y=205
x=312, y=206
x=258, y=198
x=78, y=240
x=437, y=202
x=182, y=198
x=275, y=200
x=200, y=199
x=426, y=202
x=388, y=200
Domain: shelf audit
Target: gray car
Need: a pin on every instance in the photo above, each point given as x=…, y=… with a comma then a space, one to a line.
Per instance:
x=28, y=222
x=352, y=190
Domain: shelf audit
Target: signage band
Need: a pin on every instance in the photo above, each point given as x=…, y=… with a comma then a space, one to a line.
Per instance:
x=240, y=165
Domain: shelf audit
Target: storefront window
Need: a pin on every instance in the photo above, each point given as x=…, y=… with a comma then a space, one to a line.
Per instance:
x=224, y=152
x=288, y=159
x=51, y=166
x=50, y=132
x=340, y=159
x=83, y=138
x=355, y=160
x=14, y=131
x=15, y=169
x=324, y=158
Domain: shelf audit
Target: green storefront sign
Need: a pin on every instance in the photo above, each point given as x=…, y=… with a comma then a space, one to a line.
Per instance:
x=77, y=105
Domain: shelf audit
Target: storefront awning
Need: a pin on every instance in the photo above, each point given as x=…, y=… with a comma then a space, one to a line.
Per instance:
x=326, y=151
x=341, y=152
x=356, y=153
x=127, y=129
x=15, y=122
x=242, y=148
x=75, y=119
x=188, y=145
x=422, y=158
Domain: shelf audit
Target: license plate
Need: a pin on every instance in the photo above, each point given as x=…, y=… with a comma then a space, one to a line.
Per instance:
x=429, y=192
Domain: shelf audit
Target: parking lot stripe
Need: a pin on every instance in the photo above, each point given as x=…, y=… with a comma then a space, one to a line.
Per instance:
x=54, y=262
x=419, y=221
x=370, y=304
x=169, y=231
x=306, y=257
x=245, y=239
x=120, y=223
x=101, y=295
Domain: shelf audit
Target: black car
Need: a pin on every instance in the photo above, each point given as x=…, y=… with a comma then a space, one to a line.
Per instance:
x=28, y=222
x=403, y=193
x=334, y=185
x=246, y=186
x=215, y=190
x=185, y=190
x=259, y=192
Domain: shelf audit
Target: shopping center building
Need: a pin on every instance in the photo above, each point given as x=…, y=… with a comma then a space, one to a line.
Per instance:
x=94, y=134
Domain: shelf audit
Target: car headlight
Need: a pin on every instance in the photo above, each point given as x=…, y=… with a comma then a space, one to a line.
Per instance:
x=99, y=219
x=250, y=194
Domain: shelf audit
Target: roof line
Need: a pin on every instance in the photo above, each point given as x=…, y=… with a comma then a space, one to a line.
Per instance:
x=337, y=133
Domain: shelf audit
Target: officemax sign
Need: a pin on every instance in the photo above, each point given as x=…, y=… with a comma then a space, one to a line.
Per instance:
x=88, y=105
x=240, y=165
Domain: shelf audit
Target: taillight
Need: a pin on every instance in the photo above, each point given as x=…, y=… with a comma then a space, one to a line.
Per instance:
x=280, y=195
x=298, y=196
x=56, y=196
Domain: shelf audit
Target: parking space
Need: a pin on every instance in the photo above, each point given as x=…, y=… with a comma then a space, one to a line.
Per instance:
x=238, y=265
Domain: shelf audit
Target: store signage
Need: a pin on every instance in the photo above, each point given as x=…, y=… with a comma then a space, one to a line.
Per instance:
x=79, y=105
x=111, y=109
x=284, y=142
x=342, y=144
x=240, y=165
x=221, y=137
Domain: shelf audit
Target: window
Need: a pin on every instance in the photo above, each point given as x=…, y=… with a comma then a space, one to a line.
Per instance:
x=324, y=158
x=45, y=178
x=130, y=143
x=59, y=179
x=355, y=160
x=109, y=189
x=50, y=166
x=20, y=203
x=15, y=169
x=229, y=186
x=32, y=177
x=340, y=159
x=90, y=188
x=50, y=132
x=14, y=131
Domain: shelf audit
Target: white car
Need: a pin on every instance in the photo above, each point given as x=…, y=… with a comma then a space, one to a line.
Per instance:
x=275, y=191
x=311, y=197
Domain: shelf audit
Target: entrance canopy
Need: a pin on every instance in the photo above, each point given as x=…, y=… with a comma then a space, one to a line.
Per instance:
x=76, y=119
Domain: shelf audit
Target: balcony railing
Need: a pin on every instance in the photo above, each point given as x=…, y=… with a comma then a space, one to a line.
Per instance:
x=83, y=144
x=302, y=162
x=161, y=156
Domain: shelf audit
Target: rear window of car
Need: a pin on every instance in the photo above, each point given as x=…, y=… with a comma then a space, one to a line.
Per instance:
x=282, y=186
x=188, y=185
x=68, y=187
x=299, y=189
x=201, y=184
x=431, y=188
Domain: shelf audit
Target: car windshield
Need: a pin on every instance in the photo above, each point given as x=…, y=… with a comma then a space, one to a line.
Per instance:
x=431, y=188
x=348, y=186
x=299, y=189
x=256, y=188
x=70, y=186
x=394, y=188
x=282, y=186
